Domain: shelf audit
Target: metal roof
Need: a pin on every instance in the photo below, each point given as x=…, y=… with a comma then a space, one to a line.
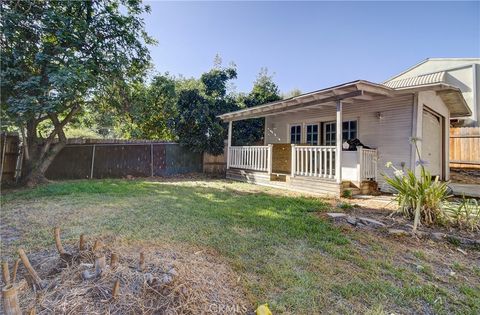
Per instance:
x=426, y=79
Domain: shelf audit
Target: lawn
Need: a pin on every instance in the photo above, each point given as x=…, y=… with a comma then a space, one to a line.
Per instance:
x=281, y=247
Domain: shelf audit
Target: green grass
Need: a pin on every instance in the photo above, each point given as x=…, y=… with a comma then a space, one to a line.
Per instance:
x=286, y=254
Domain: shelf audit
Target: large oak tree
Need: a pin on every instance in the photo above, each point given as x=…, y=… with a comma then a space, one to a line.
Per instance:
x=55, y=56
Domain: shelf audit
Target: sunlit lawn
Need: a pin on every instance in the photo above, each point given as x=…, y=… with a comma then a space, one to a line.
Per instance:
x=286, y=254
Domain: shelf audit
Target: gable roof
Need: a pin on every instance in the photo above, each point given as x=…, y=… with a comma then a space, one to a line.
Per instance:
x=430, y=59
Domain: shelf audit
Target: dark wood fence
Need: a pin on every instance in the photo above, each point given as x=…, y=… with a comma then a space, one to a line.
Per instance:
x=93, y=159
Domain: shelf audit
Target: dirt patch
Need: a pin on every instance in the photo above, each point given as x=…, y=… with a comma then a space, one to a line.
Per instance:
x=465, y=176
x=201, y=282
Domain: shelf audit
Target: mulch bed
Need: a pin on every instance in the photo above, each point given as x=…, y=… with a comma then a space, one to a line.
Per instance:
x=465, y=176
x=197, y=282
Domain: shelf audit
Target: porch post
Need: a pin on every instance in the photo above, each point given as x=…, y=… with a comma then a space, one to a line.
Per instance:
x=338, y=151
x=229, y=143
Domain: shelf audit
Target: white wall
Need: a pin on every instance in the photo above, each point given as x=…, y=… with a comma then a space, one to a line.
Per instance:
x=461, y=73
x=389, y=135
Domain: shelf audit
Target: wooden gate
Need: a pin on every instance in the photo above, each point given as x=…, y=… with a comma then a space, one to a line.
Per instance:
x=465, y=147
x=9, y=146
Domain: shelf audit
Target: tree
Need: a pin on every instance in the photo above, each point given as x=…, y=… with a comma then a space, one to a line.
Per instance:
x=56, y=56
x=196, y=124
x=249, y=132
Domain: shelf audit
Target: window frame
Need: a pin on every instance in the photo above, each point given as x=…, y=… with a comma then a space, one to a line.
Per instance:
x=296, y=134
x=334, y=124
x=318, y=133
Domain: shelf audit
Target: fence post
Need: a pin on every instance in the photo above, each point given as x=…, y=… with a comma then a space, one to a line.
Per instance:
x=151, y=159
x=270, y=159
x=93, y=161
x=359, y=163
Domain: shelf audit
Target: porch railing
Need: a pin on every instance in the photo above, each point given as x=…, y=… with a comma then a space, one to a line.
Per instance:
x=367, y=159
x=317, y=161
x=257, y=158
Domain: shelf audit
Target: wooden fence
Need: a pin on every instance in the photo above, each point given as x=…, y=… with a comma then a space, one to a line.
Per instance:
x=9, y=150
x=94, y=159
x=465, y=147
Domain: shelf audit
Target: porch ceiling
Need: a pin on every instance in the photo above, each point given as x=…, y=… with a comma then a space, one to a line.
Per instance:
x=347, y=93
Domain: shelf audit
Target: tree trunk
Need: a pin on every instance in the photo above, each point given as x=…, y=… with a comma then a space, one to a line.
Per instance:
x=35, y=168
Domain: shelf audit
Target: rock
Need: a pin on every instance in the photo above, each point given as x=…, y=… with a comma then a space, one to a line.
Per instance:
x=352, y=220
x=368, y=221
x=361, y=225
x=437, y=236
x=398, y=232
x=458, y=240
x=336, y=215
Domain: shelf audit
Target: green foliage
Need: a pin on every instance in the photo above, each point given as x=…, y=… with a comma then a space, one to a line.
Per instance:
x=464, y=214
x=250, y=132
x=419, y=198
x=195, y=122
x=347, y=193
x=57, y=55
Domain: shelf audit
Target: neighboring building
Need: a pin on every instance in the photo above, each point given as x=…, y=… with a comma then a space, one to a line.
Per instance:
x=304, y=142
x=463, y=73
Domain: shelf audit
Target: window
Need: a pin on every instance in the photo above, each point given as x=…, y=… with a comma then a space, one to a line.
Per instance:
x=296, y=134
x=312, y=134
x=349, y=131
x=330, y=133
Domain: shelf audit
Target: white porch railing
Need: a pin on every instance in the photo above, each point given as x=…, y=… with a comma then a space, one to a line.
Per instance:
x=257, y=158
x=317, y=161
x=367, y=160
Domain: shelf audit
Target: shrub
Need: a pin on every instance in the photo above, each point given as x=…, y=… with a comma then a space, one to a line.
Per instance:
x=419, y=198
x=464, y=214
x=347, y=193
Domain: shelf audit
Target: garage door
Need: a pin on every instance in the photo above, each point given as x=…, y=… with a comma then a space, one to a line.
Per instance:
x=432, y=143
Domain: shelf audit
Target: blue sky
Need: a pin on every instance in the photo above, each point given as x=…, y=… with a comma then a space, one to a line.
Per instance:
x=310, y=45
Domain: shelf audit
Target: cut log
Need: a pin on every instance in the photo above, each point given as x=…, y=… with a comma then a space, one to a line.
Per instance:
x=10, y=301
x=37, y=281
x=100, y=265
x=15, y=269
x=81, y=245
x=97, y=246
x=113, y=260
x=5, y=273
x=141, y=262
x=116, y=289
x=58, y=243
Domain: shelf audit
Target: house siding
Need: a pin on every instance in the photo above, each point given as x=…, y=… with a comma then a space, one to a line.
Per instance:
x=389, y=135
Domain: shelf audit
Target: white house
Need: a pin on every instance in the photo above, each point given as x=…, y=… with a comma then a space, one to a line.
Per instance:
x=463, y=73
x=304, y=135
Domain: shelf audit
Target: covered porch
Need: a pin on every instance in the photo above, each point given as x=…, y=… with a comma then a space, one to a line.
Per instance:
x=306, y=165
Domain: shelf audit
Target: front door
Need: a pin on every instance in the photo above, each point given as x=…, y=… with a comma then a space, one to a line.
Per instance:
x=432, y=143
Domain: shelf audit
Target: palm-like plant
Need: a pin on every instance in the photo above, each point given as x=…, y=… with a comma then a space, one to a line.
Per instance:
x=419, y=198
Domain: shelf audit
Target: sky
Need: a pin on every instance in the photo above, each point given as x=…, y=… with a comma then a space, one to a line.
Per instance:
x=309, y=45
